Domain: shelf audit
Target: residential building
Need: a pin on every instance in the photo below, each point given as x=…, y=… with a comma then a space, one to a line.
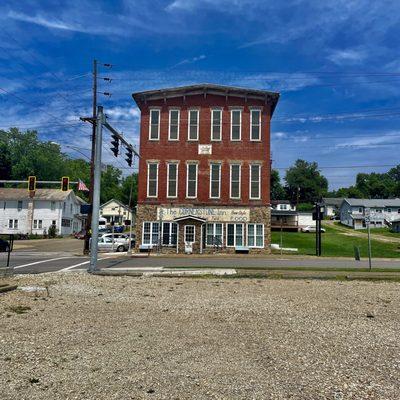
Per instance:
x=21, y=214
x=204, y=171
x=332, y=205
x=395, y=226
x=284, y=216
x=380, y=211
x=114, y=211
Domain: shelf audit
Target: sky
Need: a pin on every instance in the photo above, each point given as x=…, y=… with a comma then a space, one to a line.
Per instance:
x=335, y=62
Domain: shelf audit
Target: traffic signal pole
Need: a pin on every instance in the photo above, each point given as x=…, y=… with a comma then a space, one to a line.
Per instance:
x=96, y=191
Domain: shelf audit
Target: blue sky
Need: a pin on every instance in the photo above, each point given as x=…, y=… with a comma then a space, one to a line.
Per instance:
x=335, y=62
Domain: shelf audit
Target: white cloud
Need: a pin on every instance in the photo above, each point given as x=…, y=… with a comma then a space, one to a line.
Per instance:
x=190, y=60
x=347, y=56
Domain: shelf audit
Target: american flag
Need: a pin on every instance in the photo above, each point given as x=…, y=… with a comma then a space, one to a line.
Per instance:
x=82, y=187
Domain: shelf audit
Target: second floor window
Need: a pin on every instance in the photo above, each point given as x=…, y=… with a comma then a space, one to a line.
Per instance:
x=19, y=205
x=216, y=124
x=152, y=179
x=255, y=125
x=236, y=125
x=191, y=181
x=172, y=180
x=215, y=180
x=53, y=206
x=193, y=132
x=235, y=181
x=154, y=132
x=173, y=133
x=255, y=179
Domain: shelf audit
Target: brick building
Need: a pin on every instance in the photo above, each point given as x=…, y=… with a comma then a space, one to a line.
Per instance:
x=204, y=171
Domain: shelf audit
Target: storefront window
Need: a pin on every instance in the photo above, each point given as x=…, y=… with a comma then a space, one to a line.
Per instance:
x=234, y=236
x=214, y=234
x=150, y=232
x=255, y=235
x=169, y=233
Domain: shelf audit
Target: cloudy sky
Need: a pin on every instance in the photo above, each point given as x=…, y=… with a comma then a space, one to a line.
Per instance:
x=335, y=62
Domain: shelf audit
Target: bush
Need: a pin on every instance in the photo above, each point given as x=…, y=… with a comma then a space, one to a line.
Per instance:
x=52, y=232
x=305, y=207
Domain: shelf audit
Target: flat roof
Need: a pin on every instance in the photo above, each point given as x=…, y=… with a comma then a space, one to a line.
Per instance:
x=207, y=88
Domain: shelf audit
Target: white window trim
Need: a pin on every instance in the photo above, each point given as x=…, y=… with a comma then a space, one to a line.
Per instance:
x=151, y=232
x=255, y=235
x=177, y=174
x=219, y=180
x=148, y=179
x=212, y=125
x=170, y=233
x=169, y=124
x=259, y=182
x=198, y=123
x=230, y=181
x=222, y=232
x=259, y=124
x=187, y=180
x=240, y=124
x=235, y=224
x=159, y=123
x=194, y=233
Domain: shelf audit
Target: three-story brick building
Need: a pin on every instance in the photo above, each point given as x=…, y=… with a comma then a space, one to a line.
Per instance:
x=204, y=171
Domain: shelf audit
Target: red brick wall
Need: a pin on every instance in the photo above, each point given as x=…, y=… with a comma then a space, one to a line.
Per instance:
x=226, y=151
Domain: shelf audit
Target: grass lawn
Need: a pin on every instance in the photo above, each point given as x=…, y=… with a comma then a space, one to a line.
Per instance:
x=377, y=231
x=335, y=244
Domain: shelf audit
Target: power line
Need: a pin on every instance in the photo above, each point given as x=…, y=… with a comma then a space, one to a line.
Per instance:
x=346, y=166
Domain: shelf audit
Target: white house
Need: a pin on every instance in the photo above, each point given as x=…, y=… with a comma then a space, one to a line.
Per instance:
x=381, y=211
x=114, y=211
x=332, y=205
x=21, y=214
x=282, y=205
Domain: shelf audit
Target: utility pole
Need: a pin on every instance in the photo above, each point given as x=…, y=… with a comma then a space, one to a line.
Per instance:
x=367, y=213
x=131, y=216
x=94, y=118
x=96, y=191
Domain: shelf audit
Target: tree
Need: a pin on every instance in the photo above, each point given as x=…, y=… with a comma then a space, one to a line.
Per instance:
x=126, y=189
x=277, y=190
x=5, y=156
x=305, y=182
x=110, y=184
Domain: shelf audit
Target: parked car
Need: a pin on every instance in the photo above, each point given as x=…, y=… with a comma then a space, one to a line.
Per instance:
x=105, y=243
x=310, y=229
x=4, y=245
x=104, y=230
x=80, y=235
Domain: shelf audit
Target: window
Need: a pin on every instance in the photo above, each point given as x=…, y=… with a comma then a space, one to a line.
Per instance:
x=70, y=208
x=152, y=179
x=235, y=181
x=360, y=210
x=378, y=210
x=193, y=133
x=255, y=235
x=66, y=222
x=54, y=222
x=255, y=181
x=172, y=180
x=191, y=181
x=173, y=131
x=169, y=233
x=64, y=206
x=214, y=234
x=389, y=210
x=283, y=207
x=398, y=211
x=53, y=206
x=19, y=205
x=234, y=235
x=150, y=233
x=189, y=233
x=5, y=205
x=236, y=124
x=154, y=130
x=215, y=180
x=37, y=224
x=255, y=125
x=13, y=223
x=216, y=124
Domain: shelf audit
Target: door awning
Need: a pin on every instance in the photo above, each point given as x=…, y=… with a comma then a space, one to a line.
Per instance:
x=185, y=217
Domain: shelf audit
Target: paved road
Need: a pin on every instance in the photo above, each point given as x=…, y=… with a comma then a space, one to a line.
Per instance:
x=38, y=262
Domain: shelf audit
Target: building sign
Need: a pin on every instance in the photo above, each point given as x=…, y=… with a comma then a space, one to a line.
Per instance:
x=205, y=149
x=211, y=214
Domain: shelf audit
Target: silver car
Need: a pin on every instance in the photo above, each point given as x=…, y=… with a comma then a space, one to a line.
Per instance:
x=106, y=244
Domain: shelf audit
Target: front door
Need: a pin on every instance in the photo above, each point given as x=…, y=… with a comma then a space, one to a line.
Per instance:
x=189, y=237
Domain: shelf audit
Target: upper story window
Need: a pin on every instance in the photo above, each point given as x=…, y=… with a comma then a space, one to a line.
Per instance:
x=173, y=130
x=53, y=206
x=193, y=125
x=215, y=181
x=255, y=125
x=5, y=205
x=216, y=124
x=152, y=179
x=389, y=210
x=191, y=181
x=235, y=176
x=154, y=126
x=255, y=181
x=19, y=205
x=172, y=180
x=236, y=125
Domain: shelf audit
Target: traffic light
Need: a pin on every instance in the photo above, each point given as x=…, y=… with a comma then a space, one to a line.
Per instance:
x=32, y=183
x=115, y=144
x=65, y=183
x=128, y=158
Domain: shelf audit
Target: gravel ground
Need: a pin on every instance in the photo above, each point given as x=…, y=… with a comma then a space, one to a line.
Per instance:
x=172, y=338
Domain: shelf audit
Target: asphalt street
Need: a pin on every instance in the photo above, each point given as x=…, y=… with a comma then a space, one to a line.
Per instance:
x=40, y=262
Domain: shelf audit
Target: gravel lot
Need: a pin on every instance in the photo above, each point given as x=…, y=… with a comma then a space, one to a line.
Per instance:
x=170, y=338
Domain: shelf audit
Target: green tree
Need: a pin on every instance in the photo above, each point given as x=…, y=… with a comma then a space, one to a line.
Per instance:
x=126, y=189
x=305, y=182
x=110, y=184
x=277, y=190
x=5, y=156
